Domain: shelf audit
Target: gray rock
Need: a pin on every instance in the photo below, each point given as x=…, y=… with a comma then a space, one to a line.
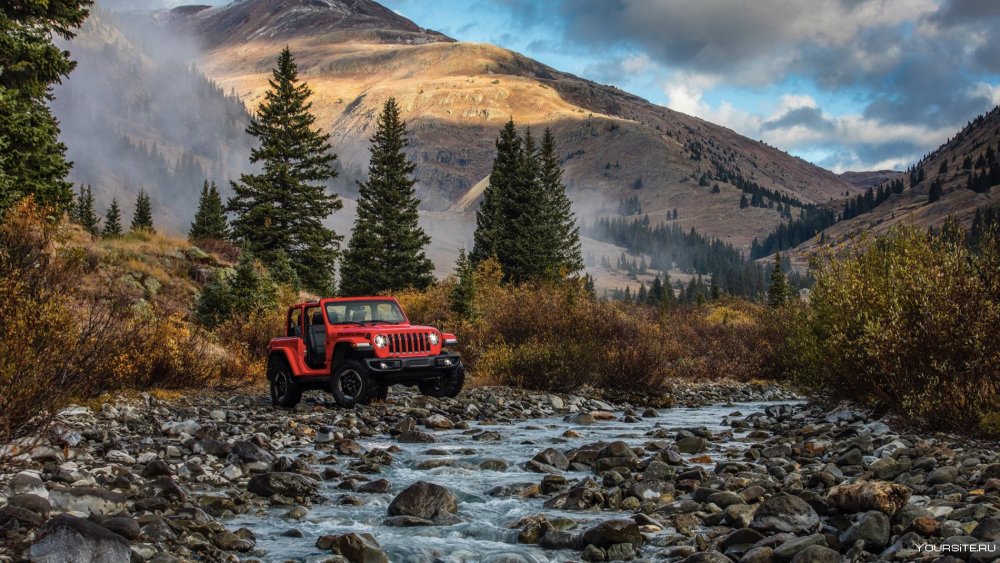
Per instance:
x=357, y=548
x=68, y=539
x=691, y=445
x=553, y=458
x=248, y=452
x=613, y=532
x=987, y=530
x=817, y=554
x=942, y=475
x=707, y=557
x=426, y=501
x=872, y=528
x=785, y=513
x=124, y=526
x=758, y=555
x=791, y=548
x=280, y=483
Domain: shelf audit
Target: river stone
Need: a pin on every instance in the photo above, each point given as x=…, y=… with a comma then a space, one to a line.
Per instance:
x=785, y=513
x=553, y=458
x=416, y=437
x=67, y=538
x=817, y=554
x=248, y=452
x=863, y=496
x=619, y=450
x=28, y=482
x=758, y=555
x=157, y=468
x=988, y=530
x=707, y=557
x=691, y=445
x=872, y=528
x=426, y=501
x=38, y=505
x=376, y=486
x=942, y=475
x=791, y=548
x=124, y=526
x=280, y=483
x=21, y=516
x=88, y=500
x=357, y=548
x=613, y=532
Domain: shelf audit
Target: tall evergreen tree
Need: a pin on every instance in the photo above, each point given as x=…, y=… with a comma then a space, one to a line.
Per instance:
x=566, y=235
x=779, y=292
x=83, y=211
x=386, y=250
x=489, y=219
x=112, y=220
x=210, y=219
x=142, y=220
x=464, y=293
x=283, y=207
x=34, y=160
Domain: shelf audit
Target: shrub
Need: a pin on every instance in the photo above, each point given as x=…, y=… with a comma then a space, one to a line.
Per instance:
x=907, y=323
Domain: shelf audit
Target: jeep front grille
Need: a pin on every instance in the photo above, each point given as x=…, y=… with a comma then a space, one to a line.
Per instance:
x=409, y=343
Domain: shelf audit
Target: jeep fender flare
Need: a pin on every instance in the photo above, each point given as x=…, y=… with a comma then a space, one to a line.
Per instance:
x=347, y=348
x=280, y=354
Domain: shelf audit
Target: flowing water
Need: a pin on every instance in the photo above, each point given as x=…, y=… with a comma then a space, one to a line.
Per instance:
x=483, y=534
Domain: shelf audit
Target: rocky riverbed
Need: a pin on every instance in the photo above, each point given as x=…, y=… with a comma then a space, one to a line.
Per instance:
x=712, y=474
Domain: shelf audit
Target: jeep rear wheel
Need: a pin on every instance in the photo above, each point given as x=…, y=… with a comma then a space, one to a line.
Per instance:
x=284, y=391
x=351, y=385
x=448, y=385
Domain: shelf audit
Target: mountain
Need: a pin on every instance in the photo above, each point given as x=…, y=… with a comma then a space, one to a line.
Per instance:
x=456, y=95
x=966, y=169
x=133, y=118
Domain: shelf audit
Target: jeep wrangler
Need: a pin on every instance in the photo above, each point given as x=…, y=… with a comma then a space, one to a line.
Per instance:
x=355, y=348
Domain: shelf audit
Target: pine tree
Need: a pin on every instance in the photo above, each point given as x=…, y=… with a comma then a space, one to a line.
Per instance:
x=489, y=219
x=34, y=161
x=142, y=220
x=247, y=291
x=113, y=220
x=779, y=292
x=284, y=206
x=566, y=236
x=83, y=211
x=464, y=293
x=282, y=272
x=386, y=250
x=210, y=219
x=935, y=192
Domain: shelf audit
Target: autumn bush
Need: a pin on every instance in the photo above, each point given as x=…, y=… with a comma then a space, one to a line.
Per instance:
x=907, y=323
x=557, y=337
x=76, y=322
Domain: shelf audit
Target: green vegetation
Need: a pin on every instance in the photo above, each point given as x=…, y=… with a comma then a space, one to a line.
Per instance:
x=112, y=220
x=386, y=250
x=82, y=213
x=246, y=291
x=525, y=221
x=210, y=220
x=142, y=219
x=283, y=207
x=34, y=161
x=811, y=221
x=906, y=323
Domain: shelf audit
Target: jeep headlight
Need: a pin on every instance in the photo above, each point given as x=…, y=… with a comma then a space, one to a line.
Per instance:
x=381, y=341
x=433, y=338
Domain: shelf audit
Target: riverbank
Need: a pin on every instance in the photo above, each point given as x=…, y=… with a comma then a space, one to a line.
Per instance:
x=715, y=473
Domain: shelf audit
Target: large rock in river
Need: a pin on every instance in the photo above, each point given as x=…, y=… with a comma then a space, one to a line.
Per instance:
x=785, y=513
x=426, y=501
x=67, y=538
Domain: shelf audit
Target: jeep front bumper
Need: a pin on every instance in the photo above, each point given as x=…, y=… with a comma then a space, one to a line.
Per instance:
x=411, y=369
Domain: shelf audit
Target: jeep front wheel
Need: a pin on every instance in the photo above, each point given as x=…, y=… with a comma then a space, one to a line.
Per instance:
x=448, y=385
x=284, y=391
x=351, y=385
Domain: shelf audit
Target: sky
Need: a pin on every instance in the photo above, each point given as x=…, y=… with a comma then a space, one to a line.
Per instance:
x=846, y=84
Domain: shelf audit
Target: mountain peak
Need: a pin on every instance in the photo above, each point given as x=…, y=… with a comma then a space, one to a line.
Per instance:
x=333, y=21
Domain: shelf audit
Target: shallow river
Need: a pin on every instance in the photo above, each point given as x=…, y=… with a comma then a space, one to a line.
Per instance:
x=483, y=534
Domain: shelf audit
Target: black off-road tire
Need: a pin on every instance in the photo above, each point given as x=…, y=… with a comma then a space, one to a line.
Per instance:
x=285, y=391
x=448, y=385
x=351, y=384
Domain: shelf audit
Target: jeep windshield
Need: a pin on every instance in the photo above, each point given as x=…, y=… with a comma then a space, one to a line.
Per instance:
x=375, y=311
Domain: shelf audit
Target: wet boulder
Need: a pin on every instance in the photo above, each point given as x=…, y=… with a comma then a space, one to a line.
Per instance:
x=356, y=548
x=88, y=500
x=426, y=501
x=281, y=483
x=785, y=513
x=68, y=538
x=612, y=532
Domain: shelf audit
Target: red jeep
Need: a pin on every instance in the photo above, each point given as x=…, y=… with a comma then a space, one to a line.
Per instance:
x=355, y=348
